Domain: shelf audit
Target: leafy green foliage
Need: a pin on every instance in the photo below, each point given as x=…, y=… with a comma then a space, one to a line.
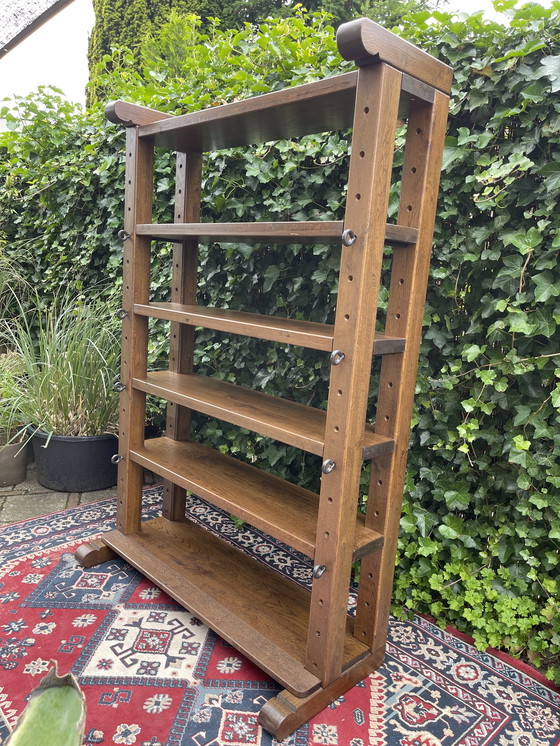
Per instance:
x=480, y=533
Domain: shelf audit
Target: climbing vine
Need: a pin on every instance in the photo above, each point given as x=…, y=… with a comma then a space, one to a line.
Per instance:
x=480, y=534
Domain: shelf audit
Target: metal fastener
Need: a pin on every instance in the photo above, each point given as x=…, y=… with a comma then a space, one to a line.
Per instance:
x=116, y=459
x=337, y=357
x=123, y=235
x=328, y=466
x=119, y=386
x=348, y=237
x=319, y=570
x=121, y=313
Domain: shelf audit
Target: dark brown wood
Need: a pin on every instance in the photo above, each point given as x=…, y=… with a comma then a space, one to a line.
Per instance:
x=287, y=421
x=282, y=509
x=409, y=276
x=93, y=553
x=274, y=328
x=136, y=281
x=304, y=640
x=188, y=180
x=129, y=115
x=377, y=104
x=367, y=43
x=300, y=110
x=316, y=232
x=259, y=611
x=284, y=713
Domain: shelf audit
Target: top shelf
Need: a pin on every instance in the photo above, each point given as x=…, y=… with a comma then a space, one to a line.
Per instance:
x=322, y=106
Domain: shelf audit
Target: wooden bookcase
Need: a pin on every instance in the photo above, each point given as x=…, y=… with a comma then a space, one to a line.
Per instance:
x=303, y=639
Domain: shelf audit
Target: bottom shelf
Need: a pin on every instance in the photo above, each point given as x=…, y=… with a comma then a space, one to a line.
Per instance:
x=257, y=610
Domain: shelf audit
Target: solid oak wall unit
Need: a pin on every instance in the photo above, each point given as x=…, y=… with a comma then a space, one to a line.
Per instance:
x=303, y=639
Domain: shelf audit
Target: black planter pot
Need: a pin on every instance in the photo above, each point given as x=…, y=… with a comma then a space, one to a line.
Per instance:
x=75, y=464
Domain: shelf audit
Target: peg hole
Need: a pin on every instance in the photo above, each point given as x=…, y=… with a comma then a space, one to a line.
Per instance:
x=418, y=131
x=358, y=196
x=409, y=208
x=321, y=602
x=339, y=392
x=366, y=109
x=390, y=385
x=317, y=633
x=376, y=514
x=336, y=429
x=350, y=278
x=363, y=633
x=397, y=315
x=401, y=281
x=329, y=500
x=327, y=534
x=347, y=317
x=413, y=170
x=367, y=604
x=386, y=418
x=370, y=575
x=362, y=154
x=380, y=482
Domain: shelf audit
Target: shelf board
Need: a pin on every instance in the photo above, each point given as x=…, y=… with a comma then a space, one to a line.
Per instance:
x=287, y=421
x=258, y=611
x=282, y=509
x=292, y=231
x=308, y=334
x=320, y=106
x=272, y=328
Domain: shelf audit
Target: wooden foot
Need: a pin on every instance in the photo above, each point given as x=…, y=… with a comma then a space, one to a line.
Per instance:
x=94, y=553
x=285, y=713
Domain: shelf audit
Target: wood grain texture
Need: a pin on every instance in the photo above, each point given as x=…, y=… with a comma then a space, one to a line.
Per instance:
x=291, y=112
x=409, y=276
x=282, y=509
x=377, y=103
x=273, y=328
x=188, y=185
x=315, y=232
x=285, y=420
x=136, y=284
x=257, y=610
x=130, y=115
x=368, y=43
x=94, y=552
x=284, y=713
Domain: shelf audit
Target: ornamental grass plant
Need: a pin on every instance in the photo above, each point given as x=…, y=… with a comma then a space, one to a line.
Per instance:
x=69, y=361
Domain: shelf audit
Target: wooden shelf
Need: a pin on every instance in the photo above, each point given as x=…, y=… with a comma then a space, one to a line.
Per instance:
x=291, y=112
x=287, y=421
x=272, y=328
x=294, y=231
x=282, y=509
x=260, y=612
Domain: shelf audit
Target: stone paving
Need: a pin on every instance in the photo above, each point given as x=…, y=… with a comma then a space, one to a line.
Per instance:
x=29, y=499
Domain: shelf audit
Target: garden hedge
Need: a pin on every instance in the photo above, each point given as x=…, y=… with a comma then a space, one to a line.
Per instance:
x=481, y=517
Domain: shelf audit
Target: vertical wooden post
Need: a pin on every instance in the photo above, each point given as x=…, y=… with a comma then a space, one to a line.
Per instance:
x=409, y=277
x=136, y=274
x=184, y=285
x=377, y=102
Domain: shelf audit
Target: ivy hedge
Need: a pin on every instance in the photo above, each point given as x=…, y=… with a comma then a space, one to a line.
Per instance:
x=480, y=536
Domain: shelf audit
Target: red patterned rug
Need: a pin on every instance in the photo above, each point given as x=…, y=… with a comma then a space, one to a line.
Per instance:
x=153, y=675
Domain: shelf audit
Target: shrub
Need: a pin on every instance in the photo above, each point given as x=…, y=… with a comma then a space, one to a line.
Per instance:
x=481, y=516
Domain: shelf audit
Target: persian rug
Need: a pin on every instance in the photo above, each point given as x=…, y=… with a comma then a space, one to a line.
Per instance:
x=154, y=675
